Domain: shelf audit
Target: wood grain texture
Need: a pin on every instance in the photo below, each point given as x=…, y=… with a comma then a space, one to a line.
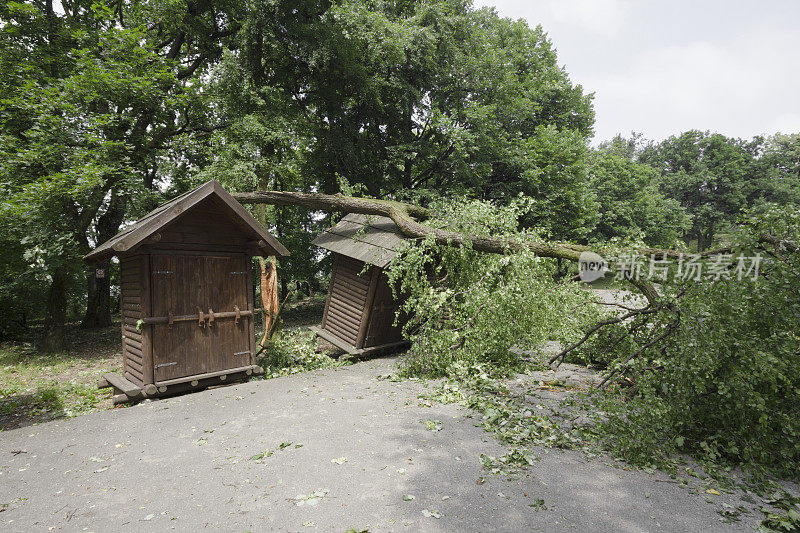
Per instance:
x=360, y=308
x=131, y=311
x=213, y=284
x=346, y=299
x=381, y=329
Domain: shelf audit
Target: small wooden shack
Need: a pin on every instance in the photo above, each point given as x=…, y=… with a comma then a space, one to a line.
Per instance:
x=360, y=309
x=187, y=294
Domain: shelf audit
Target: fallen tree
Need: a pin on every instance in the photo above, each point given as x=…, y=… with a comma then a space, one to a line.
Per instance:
x=408, y=218
x=708, y=365
x=404, y=215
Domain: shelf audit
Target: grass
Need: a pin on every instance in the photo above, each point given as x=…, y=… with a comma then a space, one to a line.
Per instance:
x=305, y=311
x=37, y=387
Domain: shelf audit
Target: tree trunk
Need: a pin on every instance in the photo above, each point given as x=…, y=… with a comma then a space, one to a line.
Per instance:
x=54, y=338
x=710, y=234
x=98, y=290
x=404, y=215
x=98, y=303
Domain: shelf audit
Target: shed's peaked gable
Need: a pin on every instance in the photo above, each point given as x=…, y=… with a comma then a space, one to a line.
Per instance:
x=171, y=212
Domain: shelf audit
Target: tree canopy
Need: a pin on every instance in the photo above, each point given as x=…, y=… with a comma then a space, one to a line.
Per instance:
x=108, y=108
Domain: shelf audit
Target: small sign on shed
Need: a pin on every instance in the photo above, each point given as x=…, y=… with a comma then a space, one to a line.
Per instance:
x=187, y=294
x=360, y=309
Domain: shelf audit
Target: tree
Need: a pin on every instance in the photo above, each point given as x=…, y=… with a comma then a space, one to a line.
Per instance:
x=409, y=96
x=708, y=174
x=630, y=204
x=406, y=100
x=776, y=175
x=94, y=99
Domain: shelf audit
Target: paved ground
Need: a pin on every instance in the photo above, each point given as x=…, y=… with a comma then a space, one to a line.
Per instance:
x=185, y=463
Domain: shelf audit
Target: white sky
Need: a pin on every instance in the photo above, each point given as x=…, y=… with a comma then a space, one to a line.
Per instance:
x=661, y=67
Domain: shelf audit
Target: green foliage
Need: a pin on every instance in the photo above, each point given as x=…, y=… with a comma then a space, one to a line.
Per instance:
x=726, y=384
x=776, y=178
x=293, y=351
x=503, y=414
x=630, y=205
x=419, y=95
x=721, y=385
x=710, y=175
x=101, y=106
x=397, y=100
x=786, y=515
x=712, y=178
x=467, y=307
x=96, y=102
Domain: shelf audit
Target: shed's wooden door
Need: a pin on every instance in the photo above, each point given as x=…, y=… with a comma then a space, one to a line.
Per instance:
x=229, y=340
x=184, y=285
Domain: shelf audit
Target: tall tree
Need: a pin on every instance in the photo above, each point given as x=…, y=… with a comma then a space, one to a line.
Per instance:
x=708, y=174
x=776, y=174
x=414, y=95
x=96, y=96
x=630, y=203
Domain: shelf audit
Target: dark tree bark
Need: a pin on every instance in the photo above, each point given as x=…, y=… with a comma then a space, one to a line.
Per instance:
x=98, y=290
x=54, y=338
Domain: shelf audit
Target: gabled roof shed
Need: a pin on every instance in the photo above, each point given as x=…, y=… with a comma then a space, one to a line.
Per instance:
x=187, y=293
x=360, y=309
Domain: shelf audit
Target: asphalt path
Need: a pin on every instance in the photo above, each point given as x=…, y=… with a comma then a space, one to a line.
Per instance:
x=341, y=449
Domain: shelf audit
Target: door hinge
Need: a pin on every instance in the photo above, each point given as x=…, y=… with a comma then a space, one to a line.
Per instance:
x=242, y=353
x=166, y=364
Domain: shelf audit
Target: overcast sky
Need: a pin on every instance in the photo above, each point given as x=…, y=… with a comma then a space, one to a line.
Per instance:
x=661, y=67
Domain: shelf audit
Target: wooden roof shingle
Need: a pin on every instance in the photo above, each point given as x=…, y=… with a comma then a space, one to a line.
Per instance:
x=372, y=239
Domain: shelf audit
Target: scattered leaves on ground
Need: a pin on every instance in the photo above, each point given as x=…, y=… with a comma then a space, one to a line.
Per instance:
x=538, y=505
x=433, y=425
x=311, y=499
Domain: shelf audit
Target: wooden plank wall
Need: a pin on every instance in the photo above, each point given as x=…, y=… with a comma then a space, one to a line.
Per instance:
x=206, y=225
x=133, y=353
x=347, y=297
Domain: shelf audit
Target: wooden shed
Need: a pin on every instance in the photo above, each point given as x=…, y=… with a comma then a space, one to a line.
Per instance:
x=187, y=294
x=360, y=309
